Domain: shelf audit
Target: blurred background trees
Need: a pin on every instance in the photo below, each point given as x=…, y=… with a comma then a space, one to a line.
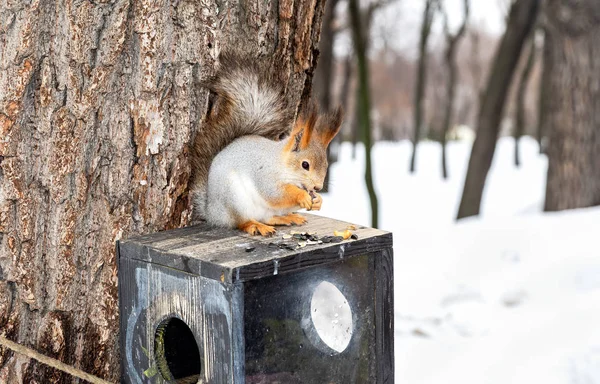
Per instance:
x=452, y=40
x=428, y=14
x=443, y=70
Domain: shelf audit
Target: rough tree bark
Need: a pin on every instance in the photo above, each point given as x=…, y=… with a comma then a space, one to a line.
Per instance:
x=573, y=113
x=324, y=73
x=520, y=21
x=98, y=102
x=359, y=37
x=452, y=40
x=428, y=13
x=520, y=101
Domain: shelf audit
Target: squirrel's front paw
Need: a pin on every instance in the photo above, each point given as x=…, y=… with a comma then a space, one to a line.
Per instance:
x=317, y=200
x=305, y=201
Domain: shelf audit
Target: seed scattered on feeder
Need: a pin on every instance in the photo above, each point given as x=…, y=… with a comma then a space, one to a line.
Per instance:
x=250, y=249
x=351, y=227
x=296, y=239
x=344, y=234
x=331, y=239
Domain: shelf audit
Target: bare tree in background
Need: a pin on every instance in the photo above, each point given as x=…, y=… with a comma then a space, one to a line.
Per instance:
x=475, y=63
x=520, y=22
x=452, y=40
x=349, y=118
x=346, y=80
x=520, y=119
x=573, y=109
x=366, y=18
x=324, y=74
x=98, y=103
x=543, y=95
x=428, y=14
x=359, y=36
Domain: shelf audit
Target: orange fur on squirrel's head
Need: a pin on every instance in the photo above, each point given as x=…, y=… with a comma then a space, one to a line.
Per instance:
x=306, y=149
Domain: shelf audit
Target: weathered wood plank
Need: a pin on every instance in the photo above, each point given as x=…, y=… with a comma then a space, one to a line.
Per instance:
x=220, y=254
x=384, y=315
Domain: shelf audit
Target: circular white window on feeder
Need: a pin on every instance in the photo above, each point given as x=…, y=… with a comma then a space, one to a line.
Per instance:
x=331, y=317
x=176, y=352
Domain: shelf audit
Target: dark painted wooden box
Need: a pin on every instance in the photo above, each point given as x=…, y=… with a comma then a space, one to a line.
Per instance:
x=209, y=305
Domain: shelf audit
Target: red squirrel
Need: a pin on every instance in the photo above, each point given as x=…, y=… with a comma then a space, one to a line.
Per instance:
x=246, y=173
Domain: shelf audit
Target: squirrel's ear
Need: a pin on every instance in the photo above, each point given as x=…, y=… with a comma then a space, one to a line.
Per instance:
x=331, y=126
x=303, y=129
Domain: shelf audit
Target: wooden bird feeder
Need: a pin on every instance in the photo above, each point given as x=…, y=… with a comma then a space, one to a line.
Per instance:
x=209, y=305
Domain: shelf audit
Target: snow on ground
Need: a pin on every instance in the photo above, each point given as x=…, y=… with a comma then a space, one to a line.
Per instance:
x=512, y=297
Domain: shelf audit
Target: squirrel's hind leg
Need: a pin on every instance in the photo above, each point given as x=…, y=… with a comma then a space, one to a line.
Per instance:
x=253, y=227
x=289, y=219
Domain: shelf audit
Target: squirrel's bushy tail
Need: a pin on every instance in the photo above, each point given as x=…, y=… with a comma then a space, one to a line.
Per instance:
x=248, y=101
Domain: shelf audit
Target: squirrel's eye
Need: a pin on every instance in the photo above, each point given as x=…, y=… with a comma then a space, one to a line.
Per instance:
x=305, y=165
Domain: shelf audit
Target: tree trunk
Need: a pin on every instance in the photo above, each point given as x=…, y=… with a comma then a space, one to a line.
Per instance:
x=364, y=102
x=345, y=102
x=98, y=103
x=345, y=97
x=450, y=56
x=324, y=73
x=476, y=65
x=428, y=13
x=573, y=119
x=365, y=18
x=520, y=102
x=346, y=80
x=544, y=85
x=520, y=22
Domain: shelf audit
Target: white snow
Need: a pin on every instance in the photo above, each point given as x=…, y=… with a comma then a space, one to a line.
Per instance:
x=510, y=297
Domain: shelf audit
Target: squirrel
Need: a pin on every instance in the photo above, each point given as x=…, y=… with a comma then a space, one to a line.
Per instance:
x=247, y=172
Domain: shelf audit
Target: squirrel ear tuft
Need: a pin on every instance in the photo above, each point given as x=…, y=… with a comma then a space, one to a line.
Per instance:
x=309, y=117
x=331, y=125
x=304, y=127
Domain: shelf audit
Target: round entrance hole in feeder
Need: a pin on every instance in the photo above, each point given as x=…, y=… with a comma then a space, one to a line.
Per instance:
x=176, y=352
x=331, y=318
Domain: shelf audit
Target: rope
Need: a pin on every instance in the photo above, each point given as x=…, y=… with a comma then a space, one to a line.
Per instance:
x=56, y=364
